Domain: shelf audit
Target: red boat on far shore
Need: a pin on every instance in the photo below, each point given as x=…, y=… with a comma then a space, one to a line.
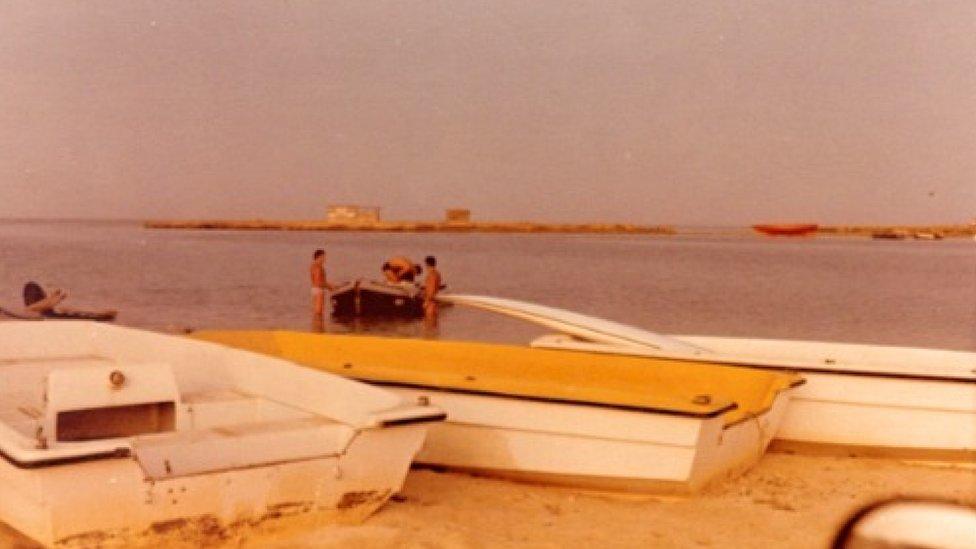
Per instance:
x=786, y=229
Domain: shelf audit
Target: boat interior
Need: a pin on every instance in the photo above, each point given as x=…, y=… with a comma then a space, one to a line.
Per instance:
x=178, y=406
x=72, y=407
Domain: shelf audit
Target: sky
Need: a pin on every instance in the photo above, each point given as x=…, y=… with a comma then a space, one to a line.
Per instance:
x=668, y=111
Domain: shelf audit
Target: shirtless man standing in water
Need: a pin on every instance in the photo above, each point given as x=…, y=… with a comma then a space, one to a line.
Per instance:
x=432, y=285
x=319, y=283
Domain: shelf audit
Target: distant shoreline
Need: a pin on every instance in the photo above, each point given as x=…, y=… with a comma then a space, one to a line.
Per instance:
x=867, y=231
x=414, y=226
x=947, y=231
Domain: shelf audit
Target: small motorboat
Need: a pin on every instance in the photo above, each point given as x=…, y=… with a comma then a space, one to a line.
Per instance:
x=786, y=229
x=112, y=436
x=859, y=399
x=370, y=298
x=561, y=417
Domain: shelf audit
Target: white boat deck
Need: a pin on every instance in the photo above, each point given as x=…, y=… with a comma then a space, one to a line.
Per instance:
x=22, y=403
x=168, y=429
x=218, y=419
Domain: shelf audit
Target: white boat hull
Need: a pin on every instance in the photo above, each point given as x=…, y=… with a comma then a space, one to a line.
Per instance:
x=906, y=402
x=109, y=502
x=231, y=439
x=591, y=446
x=857, y=399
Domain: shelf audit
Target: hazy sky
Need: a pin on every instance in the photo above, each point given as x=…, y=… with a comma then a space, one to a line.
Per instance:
x=670, y=111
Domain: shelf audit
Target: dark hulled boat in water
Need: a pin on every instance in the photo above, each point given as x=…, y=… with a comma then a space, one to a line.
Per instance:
x=786, y=229
x=369, y=298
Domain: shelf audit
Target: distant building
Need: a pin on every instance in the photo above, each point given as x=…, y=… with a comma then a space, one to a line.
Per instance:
x=458, y=215
x=353, y=214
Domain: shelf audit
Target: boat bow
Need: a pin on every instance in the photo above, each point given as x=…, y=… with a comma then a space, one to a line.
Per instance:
x=580, y=326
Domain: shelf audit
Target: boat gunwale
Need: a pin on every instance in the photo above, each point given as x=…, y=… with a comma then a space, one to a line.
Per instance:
x=534, y=317
x=815, y=370
x=116, y=453
x=398, y=422
x=552, y=400
x=759, y=363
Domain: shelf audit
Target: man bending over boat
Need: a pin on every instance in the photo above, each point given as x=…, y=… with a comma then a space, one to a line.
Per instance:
x=401, y=269
x=319, y=283
x=389, y=274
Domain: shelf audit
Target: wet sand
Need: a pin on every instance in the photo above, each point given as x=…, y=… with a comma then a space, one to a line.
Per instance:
x=787, y=501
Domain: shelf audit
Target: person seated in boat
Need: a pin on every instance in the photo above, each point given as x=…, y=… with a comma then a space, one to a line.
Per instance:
x=36, y=300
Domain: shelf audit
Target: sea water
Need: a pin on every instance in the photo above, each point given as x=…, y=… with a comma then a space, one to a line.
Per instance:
x=708, y=282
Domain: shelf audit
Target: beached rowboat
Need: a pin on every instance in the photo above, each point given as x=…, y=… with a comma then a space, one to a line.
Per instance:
x=580, y=419
x=858, y=399
x=108, y=433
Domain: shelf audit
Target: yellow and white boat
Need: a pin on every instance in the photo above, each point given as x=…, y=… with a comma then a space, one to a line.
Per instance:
x=565, y=417
x=873, y=400
x=112, y=436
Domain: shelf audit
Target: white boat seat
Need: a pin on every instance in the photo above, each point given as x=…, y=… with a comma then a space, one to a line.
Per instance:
x=110, y=401
x=242, y=445
x=223, y=407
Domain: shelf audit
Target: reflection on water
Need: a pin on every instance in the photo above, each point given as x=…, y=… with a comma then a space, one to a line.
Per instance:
x=389, y=326
x=318, y=324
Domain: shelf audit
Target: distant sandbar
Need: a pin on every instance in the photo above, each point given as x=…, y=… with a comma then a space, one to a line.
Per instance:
x=413, y=226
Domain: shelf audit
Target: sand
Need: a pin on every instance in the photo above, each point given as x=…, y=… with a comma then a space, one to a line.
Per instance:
x=787, y=501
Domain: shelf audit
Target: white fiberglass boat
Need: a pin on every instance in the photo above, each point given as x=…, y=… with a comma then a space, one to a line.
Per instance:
x=578, y=419
x=858, y=399
x=108, y=434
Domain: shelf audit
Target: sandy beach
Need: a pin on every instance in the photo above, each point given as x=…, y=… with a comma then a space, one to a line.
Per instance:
x=787, y=501
x=790, y=501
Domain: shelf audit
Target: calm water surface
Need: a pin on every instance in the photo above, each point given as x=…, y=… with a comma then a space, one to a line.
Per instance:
x=841, y=289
